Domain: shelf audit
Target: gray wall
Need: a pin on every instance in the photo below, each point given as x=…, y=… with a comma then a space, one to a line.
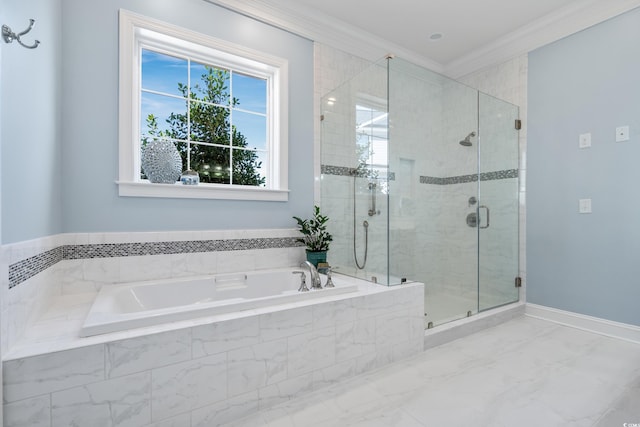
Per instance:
x=588, y=82
x=60, y=123
x=30, y=123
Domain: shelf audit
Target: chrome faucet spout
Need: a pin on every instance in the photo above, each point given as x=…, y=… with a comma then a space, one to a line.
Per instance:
x=315, y=277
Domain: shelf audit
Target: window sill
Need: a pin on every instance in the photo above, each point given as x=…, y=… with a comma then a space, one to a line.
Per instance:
x=202, y=191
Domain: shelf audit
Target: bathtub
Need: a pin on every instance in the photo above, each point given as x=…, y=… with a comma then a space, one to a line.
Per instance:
x=133, y=305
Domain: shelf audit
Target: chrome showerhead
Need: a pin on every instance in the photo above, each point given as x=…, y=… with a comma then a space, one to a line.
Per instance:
x=467, y=140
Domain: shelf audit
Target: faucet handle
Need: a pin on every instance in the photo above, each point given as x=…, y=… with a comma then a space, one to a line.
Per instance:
x=303, y=281
x=327, y=271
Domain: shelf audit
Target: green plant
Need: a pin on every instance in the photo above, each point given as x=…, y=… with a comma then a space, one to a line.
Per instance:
x=314, y=230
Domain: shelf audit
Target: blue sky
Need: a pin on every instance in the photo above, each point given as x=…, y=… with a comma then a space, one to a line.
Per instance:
x=162, y=73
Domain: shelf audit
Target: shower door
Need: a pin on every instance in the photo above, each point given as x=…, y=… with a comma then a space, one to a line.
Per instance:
x=498, y=248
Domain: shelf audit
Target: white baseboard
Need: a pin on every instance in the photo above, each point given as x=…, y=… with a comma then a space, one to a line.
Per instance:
x=596, y=325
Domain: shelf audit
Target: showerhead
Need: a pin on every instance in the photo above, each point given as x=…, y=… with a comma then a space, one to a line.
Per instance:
x=467, y=140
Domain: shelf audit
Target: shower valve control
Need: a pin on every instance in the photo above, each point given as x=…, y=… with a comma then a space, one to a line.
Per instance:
x=472, y=220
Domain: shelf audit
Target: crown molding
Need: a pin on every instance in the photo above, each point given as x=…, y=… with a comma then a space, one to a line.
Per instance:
x=575, y=17
x=319, y=27
x=316, y=26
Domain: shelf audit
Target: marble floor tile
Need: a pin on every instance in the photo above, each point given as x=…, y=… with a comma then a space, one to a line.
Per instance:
x=625, y=411
x=526, y=372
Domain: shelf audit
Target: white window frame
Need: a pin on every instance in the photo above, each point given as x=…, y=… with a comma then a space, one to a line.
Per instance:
x=137, y=31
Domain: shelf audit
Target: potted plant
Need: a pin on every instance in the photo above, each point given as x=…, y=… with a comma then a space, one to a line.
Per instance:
x=315, y=236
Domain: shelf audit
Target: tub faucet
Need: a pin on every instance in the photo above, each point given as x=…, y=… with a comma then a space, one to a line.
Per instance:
x=315, y=277
x=303, y=281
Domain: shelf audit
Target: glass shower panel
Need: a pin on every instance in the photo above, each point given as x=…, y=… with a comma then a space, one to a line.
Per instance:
x=415, y=118
x=433, y=158
x=498, y=203
x=420, y=182
x=355, y=169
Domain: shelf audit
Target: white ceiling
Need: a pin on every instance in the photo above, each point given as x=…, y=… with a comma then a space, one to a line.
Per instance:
x=476, y=33
x=466, y=25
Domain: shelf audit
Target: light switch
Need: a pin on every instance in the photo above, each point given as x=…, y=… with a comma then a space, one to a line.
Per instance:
x=584, y=141
x=622, y=133
x=585, y=206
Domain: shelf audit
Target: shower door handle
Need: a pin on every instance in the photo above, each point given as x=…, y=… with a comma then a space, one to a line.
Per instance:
x=488, y=216
x=372, y=194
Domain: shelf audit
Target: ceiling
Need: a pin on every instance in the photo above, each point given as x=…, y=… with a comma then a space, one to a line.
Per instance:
x=475, y=33
x=466, y=25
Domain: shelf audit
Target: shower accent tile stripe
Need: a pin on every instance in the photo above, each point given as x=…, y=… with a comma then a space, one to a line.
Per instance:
x=484, y=176
x=503, y=174
x=432, y=180
x=345, y=171
x=337, y=170
x=23, y=270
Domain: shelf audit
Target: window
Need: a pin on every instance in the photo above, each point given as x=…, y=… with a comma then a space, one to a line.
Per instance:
x=223, y=106
x=372, y=142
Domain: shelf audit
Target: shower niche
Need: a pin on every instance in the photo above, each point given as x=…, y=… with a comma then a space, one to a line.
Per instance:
x=408, y=156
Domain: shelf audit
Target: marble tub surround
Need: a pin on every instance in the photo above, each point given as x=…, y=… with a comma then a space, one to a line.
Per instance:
x=97, y=259
x=217, y=369
x=21, y=304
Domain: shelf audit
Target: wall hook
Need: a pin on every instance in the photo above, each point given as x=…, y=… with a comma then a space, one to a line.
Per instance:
x=8, y=35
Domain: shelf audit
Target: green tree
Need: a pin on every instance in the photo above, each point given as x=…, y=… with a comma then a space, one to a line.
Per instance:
x=210, y=124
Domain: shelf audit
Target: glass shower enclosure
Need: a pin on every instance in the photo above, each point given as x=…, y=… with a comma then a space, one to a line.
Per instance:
x=420, y=180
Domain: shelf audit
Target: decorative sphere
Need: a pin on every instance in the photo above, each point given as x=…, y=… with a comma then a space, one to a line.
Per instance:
x=161, y=162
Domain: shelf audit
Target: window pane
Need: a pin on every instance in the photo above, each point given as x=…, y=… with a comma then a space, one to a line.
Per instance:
x=210, y=84
x=250, y=130
x=162, y=73
x=250, y=93
x=211, y=163
x=210, y=123
x=263, y=157
x=169, y=116
x=249, y=168
x=379, y=154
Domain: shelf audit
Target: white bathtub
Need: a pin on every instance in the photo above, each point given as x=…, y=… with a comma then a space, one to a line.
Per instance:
x=133, y=305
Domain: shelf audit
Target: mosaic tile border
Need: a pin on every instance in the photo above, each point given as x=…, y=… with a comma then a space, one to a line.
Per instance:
x=484, y=176
x=345, y=171
x=337, y=170
x=110, y=250
x=22, y=271
x=25, y=269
